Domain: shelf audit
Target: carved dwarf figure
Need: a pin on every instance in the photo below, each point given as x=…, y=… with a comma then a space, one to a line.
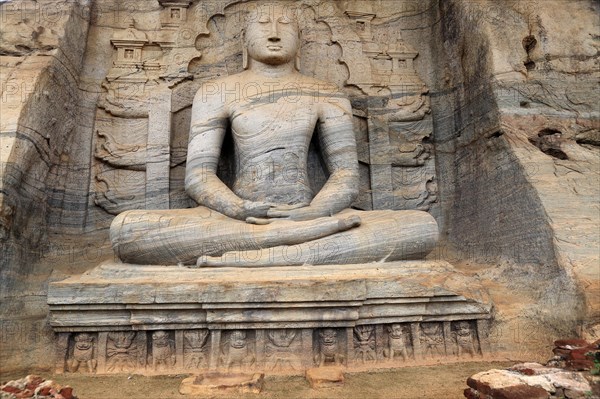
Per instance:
x=328, y=348
x=397, y=342
x=163, y=350
x=237, y=353
x=279, y=353
x=432, y=340
x=83, y=353
x=195, y=348
x=121, y=352
x=364, y=343
x=465, y=339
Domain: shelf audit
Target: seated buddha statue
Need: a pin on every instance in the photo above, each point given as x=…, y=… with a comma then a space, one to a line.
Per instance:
x=269, y=215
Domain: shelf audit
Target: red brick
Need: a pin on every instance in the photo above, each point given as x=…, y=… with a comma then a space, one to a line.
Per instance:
x=67, y=392
x=11, y=389
x=520, y=392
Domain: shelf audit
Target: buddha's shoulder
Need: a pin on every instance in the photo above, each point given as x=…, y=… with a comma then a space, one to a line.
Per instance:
x=322, y=85
x=214, y=85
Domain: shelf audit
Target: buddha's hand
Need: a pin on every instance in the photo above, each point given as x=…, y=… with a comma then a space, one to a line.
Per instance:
x=256, y=209
x=297, y=212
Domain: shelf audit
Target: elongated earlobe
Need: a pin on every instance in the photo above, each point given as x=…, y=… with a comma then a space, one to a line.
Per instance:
x=297, y=64
x=244, y=51
x=245, y=57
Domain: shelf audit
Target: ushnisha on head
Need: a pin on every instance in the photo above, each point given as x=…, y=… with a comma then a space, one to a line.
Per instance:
x=272, y=35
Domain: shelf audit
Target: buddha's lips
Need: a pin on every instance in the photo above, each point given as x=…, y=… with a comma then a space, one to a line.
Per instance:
x=274, y=48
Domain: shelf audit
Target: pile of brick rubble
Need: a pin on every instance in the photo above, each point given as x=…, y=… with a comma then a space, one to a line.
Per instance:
x=34, y=386
x=571, y=374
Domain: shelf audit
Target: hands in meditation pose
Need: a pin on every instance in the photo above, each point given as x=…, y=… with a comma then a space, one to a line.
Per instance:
x=270, y=216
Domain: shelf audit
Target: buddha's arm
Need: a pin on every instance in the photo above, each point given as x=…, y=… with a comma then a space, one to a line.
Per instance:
x=208, y=128
x=338, y=146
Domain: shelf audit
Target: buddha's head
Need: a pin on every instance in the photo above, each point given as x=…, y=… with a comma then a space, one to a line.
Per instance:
x=272, y=35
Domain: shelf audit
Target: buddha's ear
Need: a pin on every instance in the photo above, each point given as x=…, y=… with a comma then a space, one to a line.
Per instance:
x=244, y=51
x=297, y=61
x=245, y=57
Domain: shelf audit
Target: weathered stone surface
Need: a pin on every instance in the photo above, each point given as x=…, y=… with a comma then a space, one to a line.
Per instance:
x=211, y=383
x=325, y=377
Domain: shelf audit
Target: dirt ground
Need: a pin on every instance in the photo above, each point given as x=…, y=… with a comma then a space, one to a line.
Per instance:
x=431, y=382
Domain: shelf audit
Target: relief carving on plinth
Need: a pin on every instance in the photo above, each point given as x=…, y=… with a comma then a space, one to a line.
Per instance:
x=432, y=340
x=195, y=348
x=364, y=343
x=398, y=343
x=282, y=350
x=122, y=352
x=466, y=339
x=238, y=350
x=329, y=348
x=162, y=355
x=84, y=355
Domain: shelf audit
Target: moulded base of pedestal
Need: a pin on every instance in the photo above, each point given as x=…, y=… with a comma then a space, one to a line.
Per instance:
x=157, y=320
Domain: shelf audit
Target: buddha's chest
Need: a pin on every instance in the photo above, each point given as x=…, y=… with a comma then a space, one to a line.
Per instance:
x=285, y=119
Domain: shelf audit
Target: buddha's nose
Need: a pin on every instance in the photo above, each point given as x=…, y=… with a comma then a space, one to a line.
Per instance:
x=274, y=34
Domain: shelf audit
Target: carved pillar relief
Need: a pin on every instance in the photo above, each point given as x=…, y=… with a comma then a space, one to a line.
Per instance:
x=402, y=165
x=134, y=117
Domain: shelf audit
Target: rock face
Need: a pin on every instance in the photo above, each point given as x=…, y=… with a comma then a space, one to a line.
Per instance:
x=481, y=113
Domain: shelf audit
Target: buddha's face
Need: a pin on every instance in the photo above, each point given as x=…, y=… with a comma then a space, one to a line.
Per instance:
x=272, y=35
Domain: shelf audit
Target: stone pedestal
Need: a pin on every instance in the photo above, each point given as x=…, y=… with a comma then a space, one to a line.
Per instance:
x=154, y=319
